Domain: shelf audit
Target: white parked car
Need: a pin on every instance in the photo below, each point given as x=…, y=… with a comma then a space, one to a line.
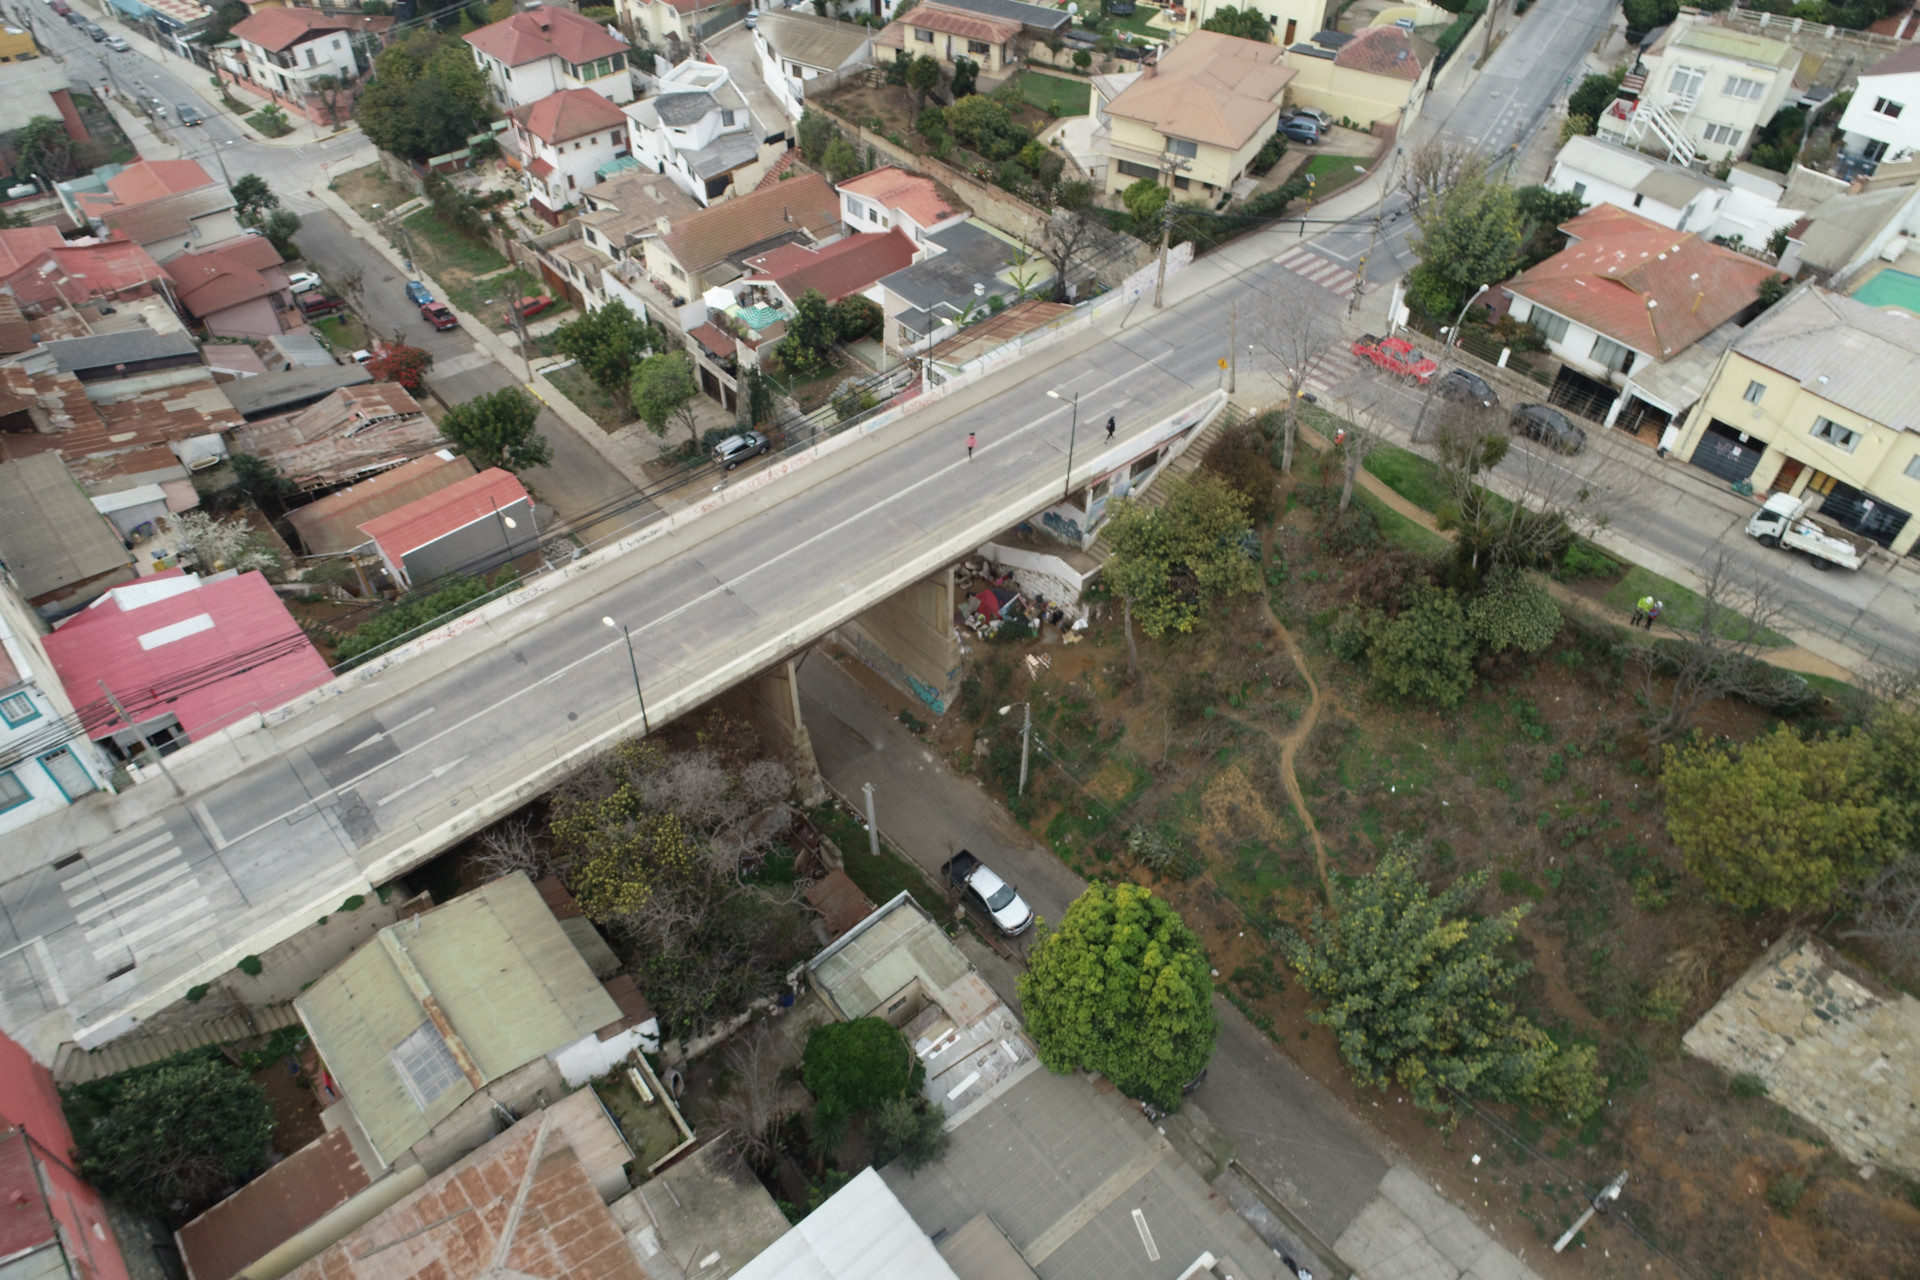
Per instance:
x=302, y=281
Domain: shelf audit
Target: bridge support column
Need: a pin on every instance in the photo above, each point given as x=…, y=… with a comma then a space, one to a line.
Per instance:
x=770, y=702
x=909, y=639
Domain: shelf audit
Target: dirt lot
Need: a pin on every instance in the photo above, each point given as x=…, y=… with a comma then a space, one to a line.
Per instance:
x=1544, y=781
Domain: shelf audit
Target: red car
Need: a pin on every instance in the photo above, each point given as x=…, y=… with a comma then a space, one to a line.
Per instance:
x=1396, y=355
x=529, y=307
x=439, y=315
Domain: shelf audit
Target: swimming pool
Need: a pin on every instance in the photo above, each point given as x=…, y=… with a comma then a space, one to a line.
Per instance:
x=1891, y=289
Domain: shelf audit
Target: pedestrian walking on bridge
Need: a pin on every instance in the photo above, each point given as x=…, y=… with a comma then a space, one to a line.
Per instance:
x=972, y=443
x=1109, y=429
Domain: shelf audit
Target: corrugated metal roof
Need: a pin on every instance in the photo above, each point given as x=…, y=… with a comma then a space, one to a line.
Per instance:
x=1843, y=351
x=500, y=968
x=50, y=535
x=862, y=1232
x=295, y=387
x=885, y=952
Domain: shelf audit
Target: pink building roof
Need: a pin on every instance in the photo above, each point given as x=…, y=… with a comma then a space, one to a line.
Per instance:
x=438, y=514
x=49, y=1190
x=211, y=651
x=568, y=114
x=915, y=196
x=843, y=267
x=546, y=33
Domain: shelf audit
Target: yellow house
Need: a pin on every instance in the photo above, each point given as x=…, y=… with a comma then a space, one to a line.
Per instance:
x=1369, y=77
x=950, y=34
x=1198, y=117
x=16, y=45
x=1820, y=396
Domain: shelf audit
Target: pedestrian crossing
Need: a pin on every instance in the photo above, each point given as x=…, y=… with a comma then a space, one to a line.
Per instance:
x=1325, y=272
x=132, y=898
x=1332, y=367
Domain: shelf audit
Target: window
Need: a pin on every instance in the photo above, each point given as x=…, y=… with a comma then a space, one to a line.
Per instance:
x=1836, y=435
x=1132, y=170
x=13, y=793
x=1723, y=134
x=726, y=119
x=1888, y=107
x=1685, y=81
x=426, y=1065
x=1744, y=89
x=1579, y=191
x=1548, y=325
x=17, y=708
x=924, y=37
x=1755, y=390
x=1913, y=468
x=1181, y=147
x=1182, y=183
x=1616, y=358
x=1637, y=199
x=978, y=46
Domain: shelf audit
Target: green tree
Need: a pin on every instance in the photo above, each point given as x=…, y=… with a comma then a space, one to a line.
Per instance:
x=225, y=16
x=1082, y=59
x=1471, y=236
x=42, y=149
x=759, y=398
x=1782, y=821
x=855, y=317
x=808, y=346
x=923, y=77
x=1425, y=653
x=426, y=97
x=1513, y=611
x=1542, y=211
x=1595, y=94
x=816, y=133
x=1122, y=988
x=841, y=160
x=1171, y=563
x=252, y=197
x=281, y=226
x=966, y=73
x=607, y=343
x=662, y=393
x=498, y=430
x=1145, y=198
x=402, y=364
x=1645, y=15
x=1248, y=23
x=260, y=481
x=179, y=1135
x=910, y=1130
x=1413, y=986
x=852, y=1067
x=931, y=123
x=981, y=124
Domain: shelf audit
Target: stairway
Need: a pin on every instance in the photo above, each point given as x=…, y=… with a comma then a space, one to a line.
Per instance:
x=74, y=1065
x=1193, y=455
x=1651, y=115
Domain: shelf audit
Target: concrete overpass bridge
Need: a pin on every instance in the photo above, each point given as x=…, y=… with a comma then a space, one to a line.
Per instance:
x=115, y=908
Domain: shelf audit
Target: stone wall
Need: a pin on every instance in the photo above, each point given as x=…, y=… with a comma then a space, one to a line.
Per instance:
x=1001, y=208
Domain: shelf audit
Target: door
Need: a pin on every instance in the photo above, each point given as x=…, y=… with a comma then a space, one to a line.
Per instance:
x=67, y=773
x=1789, y=472
x=1726, y=453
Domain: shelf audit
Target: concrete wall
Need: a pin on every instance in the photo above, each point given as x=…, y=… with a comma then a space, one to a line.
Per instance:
x=770, y=702
x=1008, y=212
x=909, y=639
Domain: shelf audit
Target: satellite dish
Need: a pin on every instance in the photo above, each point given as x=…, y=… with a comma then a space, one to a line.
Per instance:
x=1073, y=10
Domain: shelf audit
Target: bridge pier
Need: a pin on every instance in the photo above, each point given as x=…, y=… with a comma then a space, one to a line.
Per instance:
x=909, y=639
x=770, y=702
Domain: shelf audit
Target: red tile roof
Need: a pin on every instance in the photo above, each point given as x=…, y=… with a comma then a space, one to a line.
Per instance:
x=714, y=339
x=843, y=267
x=333, y=523
x=972, y=26
x=546, y=33
x=568, y=114
x=273, y=1208
x=152, y=179
x=803, y=203
x=29, y=1099
x=278, y=29
x=913, y=195
x=212, y=653
x=25, y=1224
x=1656, y=290
x=435, y=516
x=20, y=245
x=1380, y=51
x=213, y=280
x=1894, y=64
x=112, y=269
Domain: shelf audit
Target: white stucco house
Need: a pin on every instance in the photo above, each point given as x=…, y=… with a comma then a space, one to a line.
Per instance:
x=285, y=50
x=1701, y=91
x=1743, y=209
x=797, y=48
x=1883, y=120
x=888, y=198
x=564, y=140
x=547, y=50
x=40, y=771
x=698, y=130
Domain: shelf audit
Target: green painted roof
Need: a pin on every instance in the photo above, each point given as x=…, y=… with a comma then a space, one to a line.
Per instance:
x=502, y=971
x=1738, y=44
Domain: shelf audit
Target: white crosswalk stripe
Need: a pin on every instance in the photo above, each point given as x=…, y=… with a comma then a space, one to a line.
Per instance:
x=1333, y=366
x=137, y=893
x=1329, y=275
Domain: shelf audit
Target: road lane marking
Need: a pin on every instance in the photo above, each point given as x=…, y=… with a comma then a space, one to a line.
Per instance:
x=146, y=886
x=384, y=734
x=94, y=869
x=438, y=771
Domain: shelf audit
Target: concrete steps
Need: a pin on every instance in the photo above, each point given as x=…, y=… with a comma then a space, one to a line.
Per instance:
x=74, y=1065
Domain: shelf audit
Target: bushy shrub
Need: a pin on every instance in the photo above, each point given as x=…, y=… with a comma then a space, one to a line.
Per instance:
x=1423, y=655
x=1240, y=458
x=856, y=1066
x=1513, y=611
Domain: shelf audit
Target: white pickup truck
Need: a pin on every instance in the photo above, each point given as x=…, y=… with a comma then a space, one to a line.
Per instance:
x=1783, y=522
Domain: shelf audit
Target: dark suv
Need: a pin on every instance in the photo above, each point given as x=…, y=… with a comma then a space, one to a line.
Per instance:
x=1468, y=388
x=1550, y=427
x=734, y=450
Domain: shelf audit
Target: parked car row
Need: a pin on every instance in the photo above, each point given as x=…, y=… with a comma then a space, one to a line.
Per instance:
x=1305, y=124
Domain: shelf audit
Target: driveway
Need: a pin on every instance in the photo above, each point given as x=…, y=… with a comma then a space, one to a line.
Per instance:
x=736, y=53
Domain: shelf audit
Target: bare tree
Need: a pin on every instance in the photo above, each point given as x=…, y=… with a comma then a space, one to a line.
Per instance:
x=1071, y=231
x=1295, y=323
x=752, y=1110
x=1887, y=912
x=1510, y=505
x=1715, y=654
x=510, y=846
x=1358, y=435
x=1433, y=168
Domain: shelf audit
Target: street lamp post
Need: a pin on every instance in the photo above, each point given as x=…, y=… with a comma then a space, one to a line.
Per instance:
x=1072, y=431
x=1373, y=236
x=633, y=662
x=1026, y=737
x=1446, y=349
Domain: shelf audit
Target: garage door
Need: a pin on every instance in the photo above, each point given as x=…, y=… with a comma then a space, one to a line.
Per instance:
x=1722, y=452
x=1869, y=517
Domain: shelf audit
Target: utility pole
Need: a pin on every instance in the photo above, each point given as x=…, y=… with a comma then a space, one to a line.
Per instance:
x=145, y=746
x=1233, y=360
x=1170, y=164
x=1026, y=739
x=873, y=825
x=520, y=331
x=1596, y=1205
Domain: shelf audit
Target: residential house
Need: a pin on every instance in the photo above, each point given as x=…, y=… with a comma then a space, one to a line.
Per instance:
x=546, y=50
x=59, y=550
x=290, y=390
x=1844, y=232
x=692, y=255
x=331, y=526
x=957, y=354
x=1821, y=397
x=1882, y=122
x=164, y=206
x=851, y=265
x=237, y=290
x=284, y=1202
x=967, y=265
x=796, y=48
x=863, y=1230
x=1700, y=91
x=622, y=214
x=287, y=51
x=64, y=276
x=471, y=526
x=57, y=1225
x=1039, y=21
x=31, y=87
x=451, y=1014
x=888, y=197
x=350, y=433
x=1626, y=293
x=151, y=644
x=564, y=140
x=947, y=35
x=699, y=131
x=1744, y=208
x=44, y=767
x=1199, y=119
x=662, y=21
x=1373, y=77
